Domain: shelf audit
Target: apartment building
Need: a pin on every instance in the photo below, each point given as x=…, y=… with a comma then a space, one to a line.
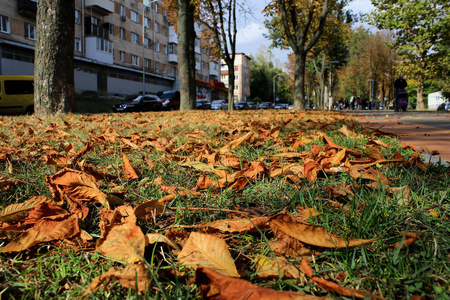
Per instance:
x=115, y=41
x=241, y=76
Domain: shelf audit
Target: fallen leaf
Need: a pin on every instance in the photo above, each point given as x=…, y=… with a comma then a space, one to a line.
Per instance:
x=312, y=234
x=16, y=212
x=129, y=172
x=149, y=210
x=216, y=286
x=208, y=250
x=45, y=230
x=276, y=267
x=124, y=242
x=133, y=276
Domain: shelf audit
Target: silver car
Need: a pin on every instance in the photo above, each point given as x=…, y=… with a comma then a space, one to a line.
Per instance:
x=219, y=105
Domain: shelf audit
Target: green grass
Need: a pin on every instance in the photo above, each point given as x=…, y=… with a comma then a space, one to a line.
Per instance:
x=59, y=272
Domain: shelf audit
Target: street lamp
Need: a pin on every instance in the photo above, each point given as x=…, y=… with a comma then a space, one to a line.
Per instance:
x=274, y=88
x=146, y=5
x=329, y=92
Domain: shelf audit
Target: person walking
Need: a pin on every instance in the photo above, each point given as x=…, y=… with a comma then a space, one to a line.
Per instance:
x=401, y=96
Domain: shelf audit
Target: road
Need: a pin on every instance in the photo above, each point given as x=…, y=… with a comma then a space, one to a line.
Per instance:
x=427, y=131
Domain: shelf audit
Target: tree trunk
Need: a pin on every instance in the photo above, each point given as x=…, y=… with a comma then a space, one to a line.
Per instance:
x=299, y=81
x=230, y=65
x=54, y=91
x=186, y=53
x=420, y=102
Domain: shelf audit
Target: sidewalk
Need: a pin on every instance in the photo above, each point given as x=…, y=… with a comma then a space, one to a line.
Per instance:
x=428, y=132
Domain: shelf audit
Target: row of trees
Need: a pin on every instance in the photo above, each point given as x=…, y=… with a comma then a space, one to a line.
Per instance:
x=318, y=33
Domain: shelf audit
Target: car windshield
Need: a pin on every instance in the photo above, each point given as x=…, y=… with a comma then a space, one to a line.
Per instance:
x=217, y=101
x=167, y=95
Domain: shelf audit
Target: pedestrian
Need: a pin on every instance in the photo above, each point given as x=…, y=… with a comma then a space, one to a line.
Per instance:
x=400, y=94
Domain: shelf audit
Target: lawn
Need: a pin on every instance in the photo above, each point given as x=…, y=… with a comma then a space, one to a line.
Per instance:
x=220, y=205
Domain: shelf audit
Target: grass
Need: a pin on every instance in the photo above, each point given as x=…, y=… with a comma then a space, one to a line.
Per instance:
x=59, y=271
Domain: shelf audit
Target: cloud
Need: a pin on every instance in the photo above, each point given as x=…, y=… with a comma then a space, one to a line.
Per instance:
x=251, y=33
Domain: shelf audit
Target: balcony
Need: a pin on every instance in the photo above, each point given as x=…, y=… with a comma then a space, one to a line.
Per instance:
x=103, y=7
x=99, y=49
x=214, y=69
x=27, y=8
x=99, y=31
x=173, y=58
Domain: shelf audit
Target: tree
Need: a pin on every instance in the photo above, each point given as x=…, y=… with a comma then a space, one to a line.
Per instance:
x=421, y=29
x=186, y=52
x=220, y=20
x=54, y=91
x=302, y=23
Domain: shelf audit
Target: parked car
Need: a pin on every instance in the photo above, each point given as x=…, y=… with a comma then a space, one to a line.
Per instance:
x=241, y=106
x=444, y=106
x=219, y=105
x=139, y=103
x=251, y=105
x=265, y=105
x=170, y=100
x=16, y=94
x=202, y=104
x=281, y=106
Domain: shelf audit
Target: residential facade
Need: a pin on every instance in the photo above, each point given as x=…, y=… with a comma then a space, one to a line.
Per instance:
x=114, y=42
x=241, y=76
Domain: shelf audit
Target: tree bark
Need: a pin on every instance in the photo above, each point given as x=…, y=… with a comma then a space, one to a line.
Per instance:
x=230, y=64
x=54, y=91
x=299, y=81
x=186, y=53
x=420, y=102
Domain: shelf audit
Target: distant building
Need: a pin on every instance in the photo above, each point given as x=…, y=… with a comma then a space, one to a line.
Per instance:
x=241, y=76
x=114, y=41
x=434, y=100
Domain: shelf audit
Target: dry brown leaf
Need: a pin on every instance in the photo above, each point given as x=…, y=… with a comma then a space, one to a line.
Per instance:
x=128, y=171
x=333, y=287
x=6, y=182
x=409, y=239
x=216, y=286
x=238, y=225
x=208, y=250
x=127, y=277
x=124, y=242
x=16, y=212
x=43, y=210
x=45, y=230
x=153, y=238
x=278, y=267
x=149, y=210
x=236, y=143
x=312, y=234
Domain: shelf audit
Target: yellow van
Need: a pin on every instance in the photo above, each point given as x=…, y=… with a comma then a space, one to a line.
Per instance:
x=16, y=94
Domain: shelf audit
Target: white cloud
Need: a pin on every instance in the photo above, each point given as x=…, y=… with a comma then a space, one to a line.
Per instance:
x=251, y=33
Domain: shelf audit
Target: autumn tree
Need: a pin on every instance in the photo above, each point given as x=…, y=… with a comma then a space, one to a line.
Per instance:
x=186, y=52
x=219, y=17
x=421, y=34
x=302, y=22
x=54, y=91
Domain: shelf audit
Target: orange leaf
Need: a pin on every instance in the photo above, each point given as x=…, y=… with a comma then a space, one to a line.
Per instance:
x=312, y=234
x=219, y=287
x=124, y=242
x=129, y=172
x=45, y=230
x=208, y=250
x=128, y=277
x=16, y=212
x=149, y=210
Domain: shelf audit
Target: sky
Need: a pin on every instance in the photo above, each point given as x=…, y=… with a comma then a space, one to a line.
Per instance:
x=251, y=29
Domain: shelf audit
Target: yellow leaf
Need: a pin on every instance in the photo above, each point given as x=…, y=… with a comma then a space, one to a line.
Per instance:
x=208, y=250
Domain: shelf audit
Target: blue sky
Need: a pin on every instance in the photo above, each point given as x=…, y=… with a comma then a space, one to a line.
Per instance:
x=251, y=28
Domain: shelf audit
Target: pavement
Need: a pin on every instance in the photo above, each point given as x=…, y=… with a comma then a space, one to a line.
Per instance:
x=427, y=131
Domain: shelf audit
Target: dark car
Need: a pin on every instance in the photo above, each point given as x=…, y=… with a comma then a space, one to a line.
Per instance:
x=202, y=104
x=241, y=106
x=251, y=105
x=139, y=103
x=265, y=105
x=170, y=100
x=445, y=106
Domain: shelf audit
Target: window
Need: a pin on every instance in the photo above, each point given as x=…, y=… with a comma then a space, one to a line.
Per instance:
x=147, y=43
x=4, y=24
x=164, y=30
x=172, y=70
x=157, y=45
x=156, y=66
x=147, y=22
x=134, y=38
x=134, y=16
x=77, y=44
x=122, y=56
x=122, y=10
x=156, y=7
x=122, y=33
x=94, y=21
x=156, y=27
x=148, y=63
x=135, y=60
x=111, y=29
x=77, y=16
x=30, y=31
x=172, y=49
x=236, y=77
x=19, y=87
x=104, y=45
x=165, y=49
x=164, y=67
x=236, y=87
